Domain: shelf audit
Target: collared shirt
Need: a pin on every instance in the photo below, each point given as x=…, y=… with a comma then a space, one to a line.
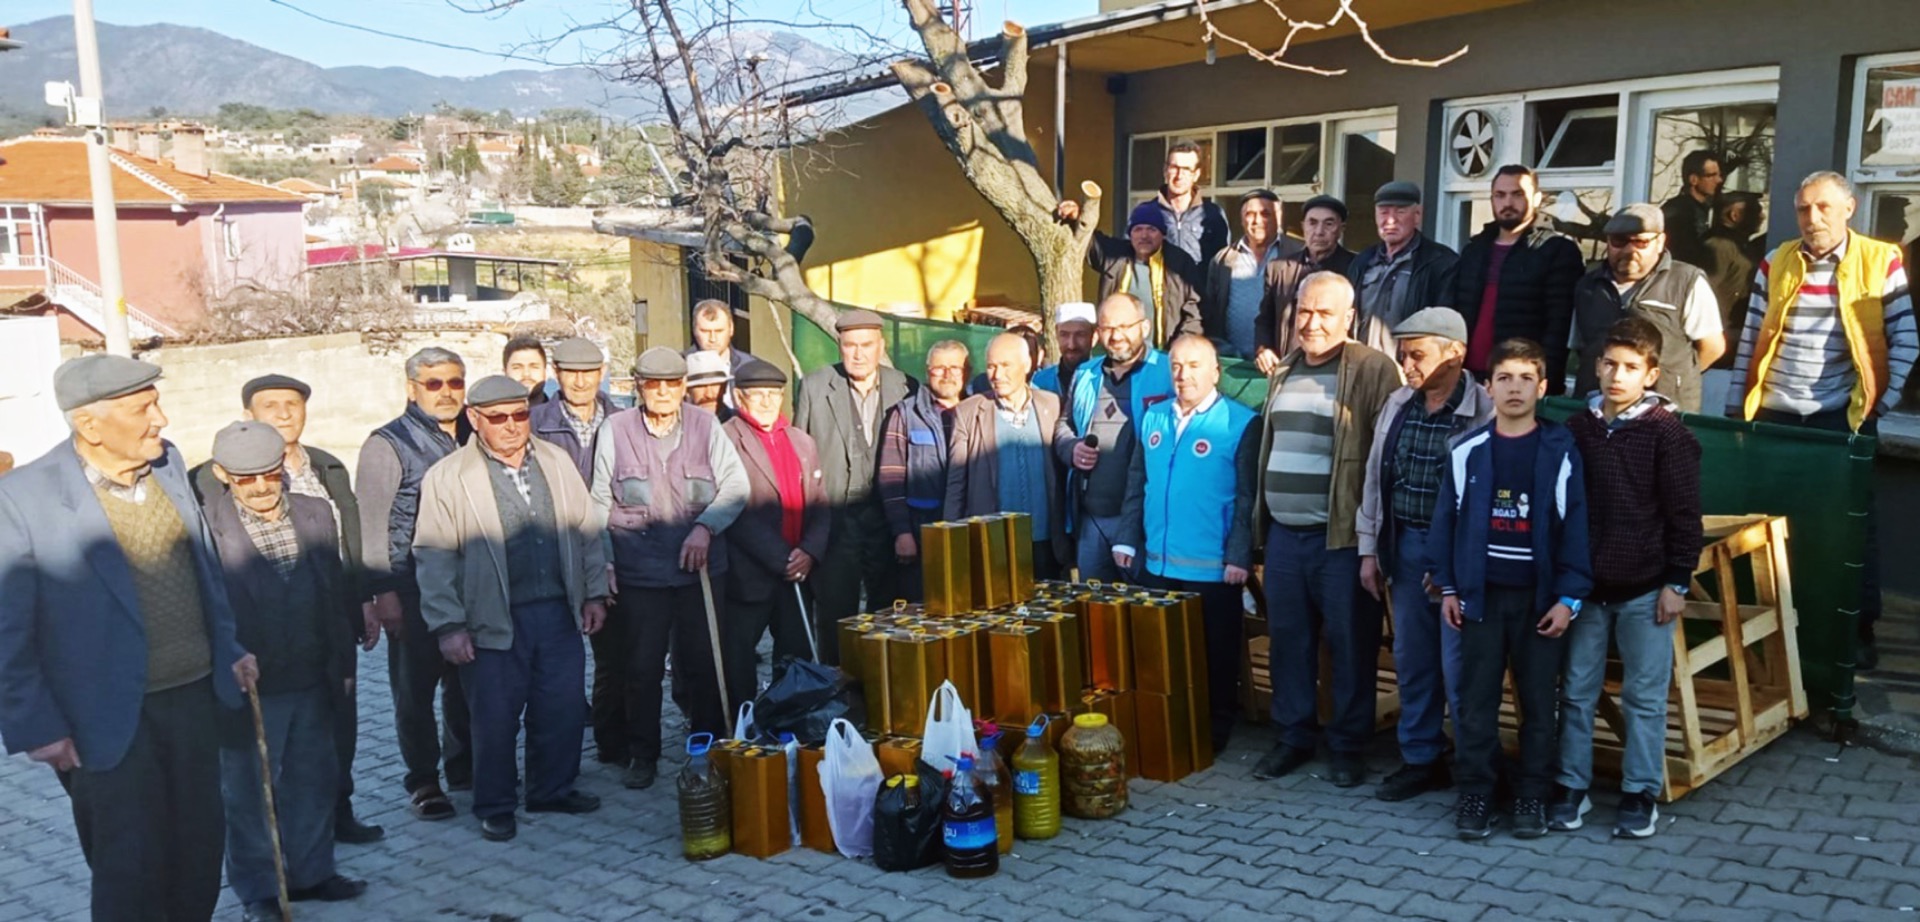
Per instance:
x=305, y=481
x=1420, y=456
x=135, y=493
x=866, y=408
x=1182, y=417
x=584, y=430
x=275, y=539
x=1383, y=295
x=516, y=475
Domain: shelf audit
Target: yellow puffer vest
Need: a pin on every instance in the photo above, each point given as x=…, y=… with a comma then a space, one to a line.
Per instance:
x=1860, y=279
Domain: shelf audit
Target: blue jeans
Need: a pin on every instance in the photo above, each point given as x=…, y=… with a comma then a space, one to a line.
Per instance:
x=1426, y=653
x=1313, y=589
x=1646, y=659
x=1093, y=543
x=543, y=678
x=306, y=784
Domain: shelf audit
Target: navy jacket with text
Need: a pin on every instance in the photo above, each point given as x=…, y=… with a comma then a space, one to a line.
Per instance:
x=1457, y=548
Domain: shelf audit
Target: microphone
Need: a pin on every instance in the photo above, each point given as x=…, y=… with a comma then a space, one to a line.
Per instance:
x=1092, y=440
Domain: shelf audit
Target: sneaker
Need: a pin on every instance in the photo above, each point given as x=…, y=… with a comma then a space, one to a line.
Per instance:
x=1637, y=818
x=1529, y=818
x=1413, y=780
x=1473, y=817
x=1281, y=760
x=1569, y=807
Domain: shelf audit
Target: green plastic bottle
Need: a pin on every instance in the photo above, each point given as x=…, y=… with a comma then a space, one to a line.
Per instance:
x=1036, y=785
x=706, y=812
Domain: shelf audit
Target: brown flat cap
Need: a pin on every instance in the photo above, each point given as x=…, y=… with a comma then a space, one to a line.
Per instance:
x=858, y=319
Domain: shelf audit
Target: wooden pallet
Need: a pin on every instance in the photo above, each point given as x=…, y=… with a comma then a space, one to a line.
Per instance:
x=1256, y=696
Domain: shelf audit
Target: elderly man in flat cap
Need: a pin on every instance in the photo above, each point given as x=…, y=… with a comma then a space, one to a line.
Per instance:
x=666, y=484
x=512, y=571
x=292, y=606
x=843, y=407
x=573, y=421
x=116, y=642
x=779, y=537
x=392, y=462
x=281, y=402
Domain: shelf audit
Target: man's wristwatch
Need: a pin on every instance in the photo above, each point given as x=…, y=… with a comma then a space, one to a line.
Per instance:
x=1679, y=589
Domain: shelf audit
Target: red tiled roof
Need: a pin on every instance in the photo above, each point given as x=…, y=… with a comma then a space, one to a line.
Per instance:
x=303, y=185
x=54, y=170
x=394, y=165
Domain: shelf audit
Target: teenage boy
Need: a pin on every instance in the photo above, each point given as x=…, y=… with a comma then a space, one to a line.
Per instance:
x=1643, y=494
x=1509, y=553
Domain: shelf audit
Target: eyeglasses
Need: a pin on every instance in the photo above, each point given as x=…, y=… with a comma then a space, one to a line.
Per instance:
x=500, y=419
x=1117, y=327
x=247, y=480
x=1622, y=241
x=1176, y=168
x=435, y=384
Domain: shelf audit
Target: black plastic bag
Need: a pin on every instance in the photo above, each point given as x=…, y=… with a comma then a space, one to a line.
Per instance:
x=906, y=820
x=803, y=699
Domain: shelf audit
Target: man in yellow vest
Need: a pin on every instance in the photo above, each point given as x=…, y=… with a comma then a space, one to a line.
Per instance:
x=1829, y=340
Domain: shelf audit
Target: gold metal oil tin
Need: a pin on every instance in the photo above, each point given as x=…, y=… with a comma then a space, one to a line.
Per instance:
x=1019, y=555
x=1109, y=643
x=916, y=665
x=1060, y=647
x=1166, y=735
x=1017, y=675
x=762, y=825
x=946, y=565
x=869, y=662
x=992, y=585
x=1159, y=646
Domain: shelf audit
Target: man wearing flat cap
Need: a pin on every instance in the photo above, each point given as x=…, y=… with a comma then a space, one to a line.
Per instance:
x=512, y=571
x=844, y=406
x=1402, y=273
x=666, y=484
x=281, y=402
x=781, y=535
x=573, y=421
x=1641, y=278
x=1410, y=436
x=1164, y=279
x=1323, y=224
x=116, y=642
x=292, y=606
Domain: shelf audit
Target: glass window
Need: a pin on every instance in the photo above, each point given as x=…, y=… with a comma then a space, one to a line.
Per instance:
x=1576, y=132
x=1891, y=134
x=1474, y=212
x=1243, y=157
x=1741, y=133
x=1368, y=165
x=1581, y=212
x=1143, y=173
x=1896, y=218
x=1296, y=159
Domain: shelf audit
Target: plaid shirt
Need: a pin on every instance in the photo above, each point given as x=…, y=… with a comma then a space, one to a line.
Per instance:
x=584, y=430
x=306, y=482
x=1420, y=457
x=275, y=540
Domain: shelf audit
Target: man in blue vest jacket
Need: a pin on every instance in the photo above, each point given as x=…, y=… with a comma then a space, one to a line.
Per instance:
x=1189, y=509
x=1073, y=324
x=912, y=481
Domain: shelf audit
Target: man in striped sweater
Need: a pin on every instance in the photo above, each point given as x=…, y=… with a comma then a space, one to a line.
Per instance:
x=1829, y=340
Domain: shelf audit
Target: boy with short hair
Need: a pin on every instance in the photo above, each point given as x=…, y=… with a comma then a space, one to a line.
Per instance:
x=1509, y=553
x=1643, y=498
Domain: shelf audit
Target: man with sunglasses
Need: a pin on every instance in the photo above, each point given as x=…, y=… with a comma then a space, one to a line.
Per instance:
x=1641, y=278
x=393, y=461
x=512, y=571
x=294, y=608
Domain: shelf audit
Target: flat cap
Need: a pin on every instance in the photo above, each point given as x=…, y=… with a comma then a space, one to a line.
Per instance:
x=759, y=373
x=660, y=364
x=577, y=354
x=858, y=319
x=1397, y=193
x=81, y=381
x=705, y=367
x=494, y=389
x=273, y=383
x=1443, y=322
x=1325, y=201
x=249, y=447
x=1640, y=218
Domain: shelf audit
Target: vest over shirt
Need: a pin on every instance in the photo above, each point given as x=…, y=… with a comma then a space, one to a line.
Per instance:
x=419, y=442
x=657, y=496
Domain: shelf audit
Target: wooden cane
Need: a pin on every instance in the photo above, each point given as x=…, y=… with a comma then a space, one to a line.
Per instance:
x=713, y=636
x=273, y=817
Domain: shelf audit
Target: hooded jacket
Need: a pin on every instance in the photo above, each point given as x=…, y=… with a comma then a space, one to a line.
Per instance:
x=1643, y=497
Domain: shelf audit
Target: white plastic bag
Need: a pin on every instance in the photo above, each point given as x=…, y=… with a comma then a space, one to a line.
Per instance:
x=850, y=777
x=949, y=730
x=743, y=722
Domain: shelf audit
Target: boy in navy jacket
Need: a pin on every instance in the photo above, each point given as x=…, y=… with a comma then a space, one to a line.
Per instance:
x=1509, y=553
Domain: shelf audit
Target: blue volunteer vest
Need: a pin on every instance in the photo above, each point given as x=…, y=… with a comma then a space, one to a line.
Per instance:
x=1190, y=487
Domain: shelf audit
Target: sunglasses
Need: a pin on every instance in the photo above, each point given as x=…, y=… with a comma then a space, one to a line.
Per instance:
x=500, y=419
x=1622, y=241
x=435, y=384
x=247, y=480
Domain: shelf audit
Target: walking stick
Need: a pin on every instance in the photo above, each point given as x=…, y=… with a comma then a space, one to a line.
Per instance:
x=713, y=635
x=806, y=620
x=273, y=816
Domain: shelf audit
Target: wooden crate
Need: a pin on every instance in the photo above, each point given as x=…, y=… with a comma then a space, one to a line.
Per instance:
x=1257, y=685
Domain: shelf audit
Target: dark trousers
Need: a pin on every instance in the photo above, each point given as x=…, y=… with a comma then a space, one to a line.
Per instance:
x=859, y=560
x=612, y=649
x=1506, y=636
x=1426, y=653
x=1313, y=591
x=346, y=735
x=1836, y=421
x=152, y=827
x=539, y=678
x=416, y=670
x=747, y=620
x=911, y=583
x=654, y=616
x=1221, y=610
x=300, y=729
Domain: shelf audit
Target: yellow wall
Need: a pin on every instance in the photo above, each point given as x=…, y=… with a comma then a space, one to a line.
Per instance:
x=659, y=275
x=899, y=223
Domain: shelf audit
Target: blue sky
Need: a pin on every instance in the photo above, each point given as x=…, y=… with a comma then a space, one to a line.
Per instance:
x=281, y=29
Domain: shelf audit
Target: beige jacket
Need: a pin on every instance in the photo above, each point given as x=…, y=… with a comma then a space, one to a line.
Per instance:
x=460, y=547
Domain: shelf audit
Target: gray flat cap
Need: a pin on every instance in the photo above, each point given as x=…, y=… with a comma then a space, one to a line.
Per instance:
x=660, y=364
x=494, y=389
x=577, y=354
x=273, y=383
x=249, y=448
x=1397, y=193
x=858, y=320
x=1640, y=218
x=81, y=381
x=1444, y=322
x=758, y=373
x=705, y=367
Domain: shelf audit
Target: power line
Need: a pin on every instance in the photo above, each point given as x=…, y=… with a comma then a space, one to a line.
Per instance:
x=508, y=55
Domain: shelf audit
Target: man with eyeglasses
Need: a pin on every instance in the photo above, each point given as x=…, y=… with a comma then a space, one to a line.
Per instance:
x=1642, y=278
x=1195, y=226
x=295, y=610
x=912, y=480
x=393, y=461
x=1689, y=214
x=512, y=571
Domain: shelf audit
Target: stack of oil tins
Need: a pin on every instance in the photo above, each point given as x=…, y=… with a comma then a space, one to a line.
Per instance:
x=1016, y=649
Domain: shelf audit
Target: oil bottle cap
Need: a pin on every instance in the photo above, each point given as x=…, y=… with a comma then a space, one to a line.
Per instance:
x=699, y=743
x=1090, y=721
x=1038, y=728
x=786, y=738
x=990, y=741
x=965, y=764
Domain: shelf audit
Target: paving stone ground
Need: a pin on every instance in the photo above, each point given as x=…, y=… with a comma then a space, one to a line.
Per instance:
x=1804, y=830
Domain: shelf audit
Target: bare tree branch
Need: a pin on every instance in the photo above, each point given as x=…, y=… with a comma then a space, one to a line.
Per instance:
x=1278, y=56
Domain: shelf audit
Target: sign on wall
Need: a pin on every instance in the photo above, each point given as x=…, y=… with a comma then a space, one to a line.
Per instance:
x=1898, y=121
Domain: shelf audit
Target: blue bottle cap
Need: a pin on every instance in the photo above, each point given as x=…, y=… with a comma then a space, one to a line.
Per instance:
x=1038, y=728
x=699, y=743
x=786, y=738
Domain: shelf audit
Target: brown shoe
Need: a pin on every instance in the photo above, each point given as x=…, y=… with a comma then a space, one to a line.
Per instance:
x=430, y=803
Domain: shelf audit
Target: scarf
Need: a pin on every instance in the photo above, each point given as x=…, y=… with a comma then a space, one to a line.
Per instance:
x=786, y=475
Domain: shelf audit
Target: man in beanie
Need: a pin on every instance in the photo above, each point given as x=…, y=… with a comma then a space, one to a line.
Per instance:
x=573, y=421
x=293, y=607
x=1402, y=273
x=779, y=537
x=1163, y=279
x=512, y=571
x=116, y=641
x=666, y=484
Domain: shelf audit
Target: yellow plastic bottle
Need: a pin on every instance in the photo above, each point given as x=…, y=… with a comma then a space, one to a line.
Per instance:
x=1036, y=785
x=706, y=815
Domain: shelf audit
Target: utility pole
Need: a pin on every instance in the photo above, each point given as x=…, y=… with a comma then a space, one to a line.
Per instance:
x=106, y=216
